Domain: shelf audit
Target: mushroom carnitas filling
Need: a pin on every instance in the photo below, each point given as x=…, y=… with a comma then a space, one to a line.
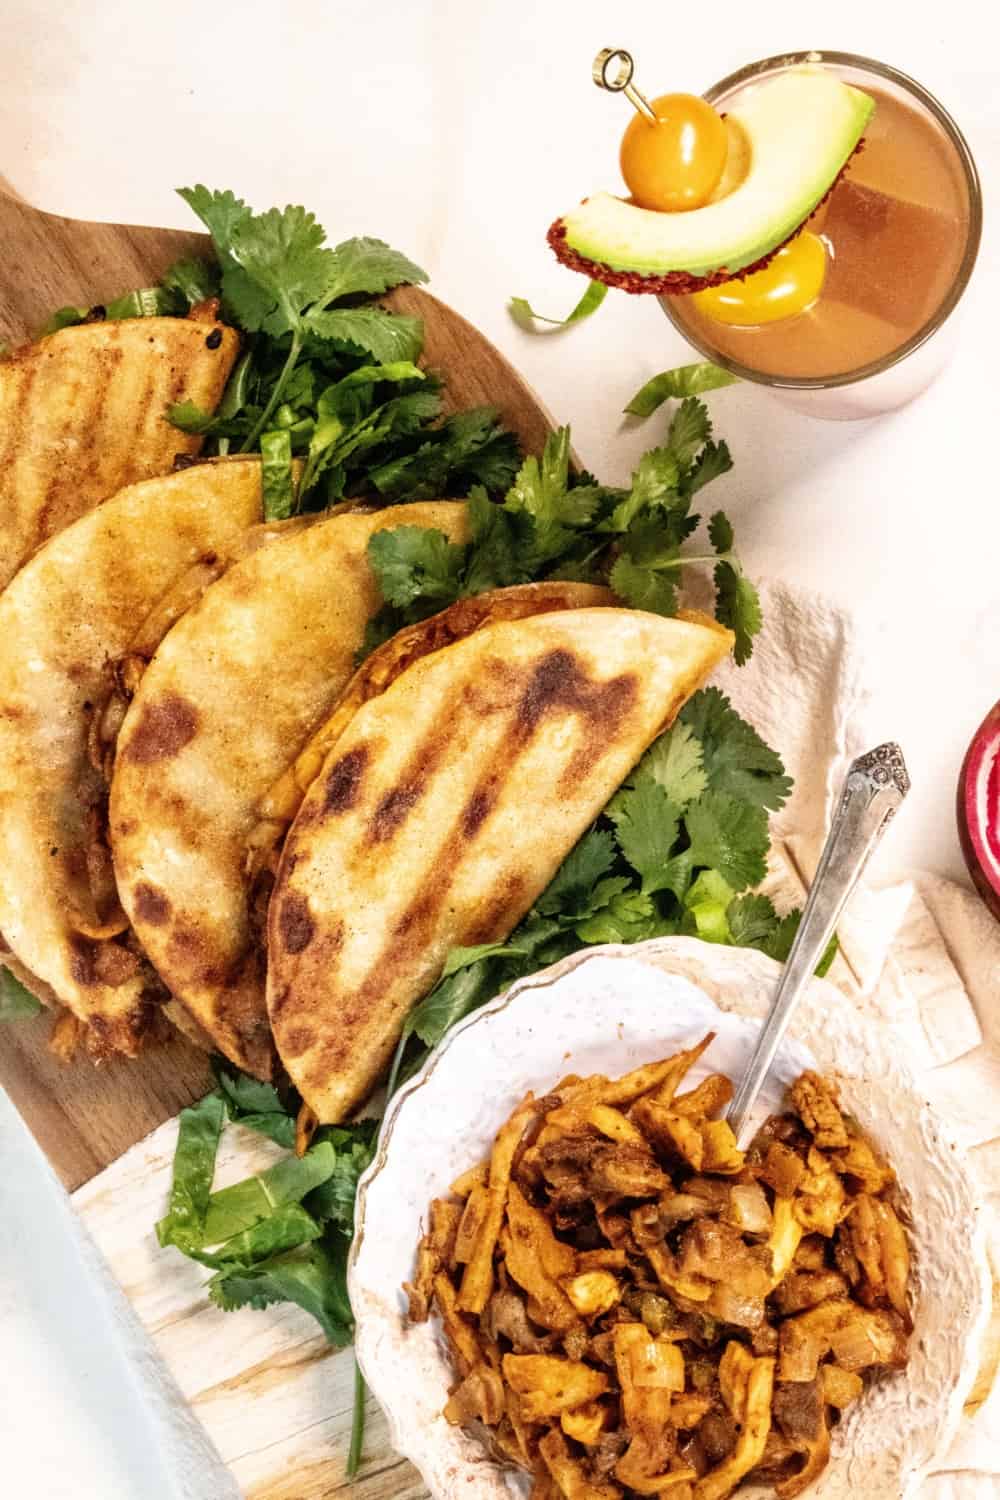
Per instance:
x=634, y=1306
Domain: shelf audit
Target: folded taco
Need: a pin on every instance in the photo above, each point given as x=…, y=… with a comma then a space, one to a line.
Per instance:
x=77, y=605
x=257, y=664
x=442, y=812
x=83, y=412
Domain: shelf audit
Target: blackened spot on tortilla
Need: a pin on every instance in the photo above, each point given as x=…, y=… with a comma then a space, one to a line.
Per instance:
x=344, y=781
x=559, y=681
x=295, y=923
x=151, y=905
x=392, y=811
x=476, y=811
x=166, y=726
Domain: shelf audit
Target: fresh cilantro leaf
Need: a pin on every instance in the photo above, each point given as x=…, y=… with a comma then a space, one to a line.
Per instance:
x=675, y=761
x=686, y=380
x=245, y=1095
x=254, y=1104
x=368, y=265
x=234, y=397
x=737, y=604
x=450, y=1000
x=753, y=921
x=333, y=1201
x=250, y=305
x=220, y=213
x=720, y=532
x=730, y=836
x=690, y=427
x=712, y=462
x=653, y=483
x=525, y=316
x=646, y=824
x=469, y=448
x=285, y=1229
x=314, y=1277
x=735, y=758
x=571, y=886
x=384, y=336
x=629, y=917
x=283, y=253
x=463, y=958
x=194, y=1167
x=494, y=560
x=542, y=491
x=413, y=562
x=678, y=873
x=277, y=485
x=644, y=587
x=233, y=1209
x=192, y=280
x=16, y=1002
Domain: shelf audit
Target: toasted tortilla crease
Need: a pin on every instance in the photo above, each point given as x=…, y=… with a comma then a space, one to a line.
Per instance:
x=443, y=811
x=83, y=412
x=260, y=657
x=73, y=607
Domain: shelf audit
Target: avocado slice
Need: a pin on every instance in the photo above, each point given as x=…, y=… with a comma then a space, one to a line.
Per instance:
x=801, y=128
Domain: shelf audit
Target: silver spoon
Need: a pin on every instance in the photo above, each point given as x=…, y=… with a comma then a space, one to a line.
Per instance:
x=875, y=787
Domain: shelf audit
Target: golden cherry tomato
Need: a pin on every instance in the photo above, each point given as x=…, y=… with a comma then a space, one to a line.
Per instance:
x=676, y=163
x=787, y=285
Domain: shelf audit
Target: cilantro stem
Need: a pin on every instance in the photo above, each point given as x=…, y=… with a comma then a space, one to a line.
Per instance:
x=291, y=361
x=357, y=1422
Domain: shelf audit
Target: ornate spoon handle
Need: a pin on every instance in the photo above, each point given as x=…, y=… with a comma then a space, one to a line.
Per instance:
x=875, y=786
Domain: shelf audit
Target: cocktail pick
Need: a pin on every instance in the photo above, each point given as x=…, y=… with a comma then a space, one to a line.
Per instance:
x=621, y=82
x=875, y=787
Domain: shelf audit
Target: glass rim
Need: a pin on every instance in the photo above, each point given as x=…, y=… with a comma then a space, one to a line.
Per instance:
x=961, y=279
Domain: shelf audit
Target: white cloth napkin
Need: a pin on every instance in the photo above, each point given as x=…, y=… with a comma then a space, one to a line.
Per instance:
x=919, y=954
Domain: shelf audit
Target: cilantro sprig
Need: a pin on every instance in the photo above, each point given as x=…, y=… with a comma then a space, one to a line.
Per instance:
x=328, y=376
x=283, y=1234
x=327, y=387
x=554, y=523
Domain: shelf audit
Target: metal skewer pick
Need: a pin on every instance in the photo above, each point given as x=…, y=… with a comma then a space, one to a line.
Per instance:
x=875, y=787
x=621, y=82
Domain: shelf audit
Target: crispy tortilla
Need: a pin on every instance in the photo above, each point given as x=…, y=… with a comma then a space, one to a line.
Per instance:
x=75, y=605
x=254, y=666
x=444, y=810
x=283, y=800
x=83, y=413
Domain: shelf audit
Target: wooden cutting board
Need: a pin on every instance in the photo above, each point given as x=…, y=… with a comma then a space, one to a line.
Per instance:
x=85, y=1117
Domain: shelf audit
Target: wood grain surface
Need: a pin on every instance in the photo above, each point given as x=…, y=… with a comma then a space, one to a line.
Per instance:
x=84, y=1118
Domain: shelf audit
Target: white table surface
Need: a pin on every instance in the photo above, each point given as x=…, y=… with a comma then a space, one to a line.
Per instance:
x=458, y=131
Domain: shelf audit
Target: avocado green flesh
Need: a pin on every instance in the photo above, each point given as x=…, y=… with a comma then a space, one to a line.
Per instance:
x=802, y=126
